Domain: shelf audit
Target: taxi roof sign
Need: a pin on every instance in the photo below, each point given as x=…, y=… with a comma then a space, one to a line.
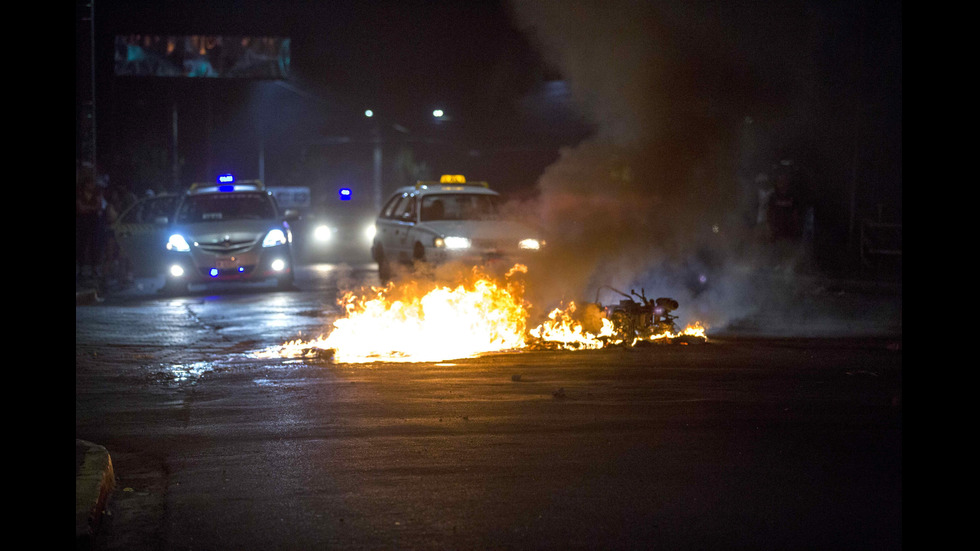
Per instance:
x=450, y=179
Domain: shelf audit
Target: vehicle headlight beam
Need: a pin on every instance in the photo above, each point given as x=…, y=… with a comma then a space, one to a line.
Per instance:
x=453, y=242
x=530, y=244
x=274, y=237
x=322, y=233
x=178, y=243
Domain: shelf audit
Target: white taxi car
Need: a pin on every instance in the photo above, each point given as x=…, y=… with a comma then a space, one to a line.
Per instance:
x=449, y=220
x=229, y=231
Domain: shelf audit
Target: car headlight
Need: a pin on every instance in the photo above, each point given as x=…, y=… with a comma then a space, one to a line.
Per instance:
x=452, y=242
x=178, y=243
x=532, y=244
x=274, y=237
x=369, y=232
x=322, y=233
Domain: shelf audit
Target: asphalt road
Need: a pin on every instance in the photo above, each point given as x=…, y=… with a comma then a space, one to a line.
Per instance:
x=740, y=443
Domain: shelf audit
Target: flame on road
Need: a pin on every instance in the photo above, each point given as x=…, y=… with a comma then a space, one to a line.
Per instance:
x=565, y=332
x=415, y=322
x=695, y=331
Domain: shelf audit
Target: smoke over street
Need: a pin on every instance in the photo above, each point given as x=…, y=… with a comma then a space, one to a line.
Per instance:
x=654, y=198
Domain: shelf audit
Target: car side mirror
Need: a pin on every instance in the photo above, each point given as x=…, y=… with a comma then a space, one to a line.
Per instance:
x=291, y=215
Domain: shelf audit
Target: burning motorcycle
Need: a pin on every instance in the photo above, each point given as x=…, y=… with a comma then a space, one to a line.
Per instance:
x=638, y=319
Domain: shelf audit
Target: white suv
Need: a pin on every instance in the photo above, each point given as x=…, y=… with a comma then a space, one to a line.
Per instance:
x=449, y=220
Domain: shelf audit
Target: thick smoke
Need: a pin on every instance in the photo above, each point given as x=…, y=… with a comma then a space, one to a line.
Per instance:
x=625, y=207
x=651, y=201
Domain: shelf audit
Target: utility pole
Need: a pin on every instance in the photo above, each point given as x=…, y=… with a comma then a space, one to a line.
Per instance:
x=261, y=156
x=378, y=166
x=176, y=157
x=86, y=69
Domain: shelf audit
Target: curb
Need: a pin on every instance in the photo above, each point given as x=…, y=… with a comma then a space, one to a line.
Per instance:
x=94, y=480
x=87, y=296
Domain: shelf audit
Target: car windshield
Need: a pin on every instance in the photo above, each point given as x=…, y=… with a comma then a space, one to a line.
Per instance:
x=458, y=206
x=219, y=207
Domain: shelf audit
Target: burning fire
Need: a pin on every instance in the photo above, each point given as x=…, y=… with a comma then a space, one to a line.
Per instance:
x=562, y=330
x=696, y=331
x=415, y=323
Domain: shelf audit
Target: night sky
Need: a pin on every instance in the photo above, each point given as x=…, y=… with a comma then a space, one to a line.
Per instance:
x=400, y=59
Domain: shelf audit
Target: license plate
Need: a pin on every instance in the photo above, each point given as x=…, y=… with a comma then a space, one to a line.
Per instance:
x=493, y=259
x=226, y=264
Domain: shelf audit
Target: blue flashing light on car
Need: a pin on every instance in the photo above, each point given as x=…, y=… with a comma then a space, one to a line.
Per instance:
x=345, y=194
x=226, y=179
x=214, y=272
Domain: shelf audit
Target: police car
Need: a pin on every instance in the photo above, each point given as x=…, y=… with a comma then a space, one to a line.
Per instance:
x=228, y=231
x=451, y=220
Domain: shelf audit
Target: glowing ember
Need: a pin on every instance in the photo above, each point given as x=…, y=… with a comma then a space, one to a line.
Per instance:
x=412, y=323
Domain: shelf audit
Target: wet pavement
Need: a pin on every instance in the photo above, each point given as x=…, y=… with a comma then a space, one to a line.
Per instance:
x=398, y=417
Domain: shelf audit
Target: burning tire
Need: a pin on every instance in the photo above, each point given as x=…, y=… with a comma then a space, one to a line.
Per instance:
x=625, y=326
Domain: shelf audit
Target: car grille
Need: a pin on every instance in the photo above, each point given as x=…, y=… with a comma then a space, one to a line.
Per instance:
x=492, y=244
x=226, y=247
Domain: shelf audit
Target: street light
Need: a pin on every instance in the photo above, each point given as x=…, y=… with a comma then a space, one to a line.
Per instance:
x=345, y=194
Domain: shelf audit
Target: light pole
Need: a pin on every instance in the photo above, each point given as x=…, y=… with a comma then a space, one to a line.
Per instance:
x=376, y=181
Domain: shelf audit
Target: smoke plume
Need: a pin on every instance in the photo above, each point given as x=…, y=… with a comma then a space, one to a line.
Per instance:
x=657, y=198
x=637, y=203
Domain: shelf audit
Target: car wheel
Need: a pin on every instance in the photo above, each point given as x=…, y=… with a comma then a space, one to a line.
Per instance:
x=625, y=327
x=418, y=256
x=384, y=267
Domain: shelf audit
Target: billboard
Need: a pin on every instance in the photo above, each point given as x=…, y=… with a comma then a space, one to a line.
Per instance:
x=291, y=197
x=202, y=56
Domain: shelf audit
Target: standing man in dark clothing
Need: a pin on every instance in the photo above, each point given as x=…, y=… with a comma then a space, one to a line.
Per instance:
x=89, y=211
x=785, y=208
x=789, y=217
